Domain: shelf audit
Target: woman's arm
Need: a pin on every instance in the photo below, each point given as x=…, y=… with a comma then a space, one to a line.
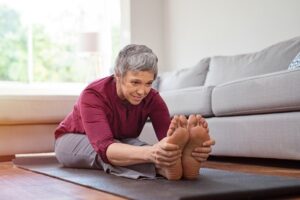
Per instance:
x=160, y=117
x=161, y=154
x=94, y=120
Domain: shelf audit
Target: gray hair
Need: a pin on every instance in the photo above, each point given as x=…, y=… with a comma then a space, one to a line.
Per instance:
x=135, y=57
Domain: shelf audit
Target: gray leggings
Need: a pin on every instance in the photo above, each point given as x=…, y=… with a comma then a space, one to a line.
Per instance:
x=74, y=150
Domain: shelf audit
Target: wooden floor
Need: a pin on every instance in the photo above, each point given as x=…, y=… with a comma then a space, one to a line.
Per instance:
x=20, y=184
x=17, y=184
x=258, y=166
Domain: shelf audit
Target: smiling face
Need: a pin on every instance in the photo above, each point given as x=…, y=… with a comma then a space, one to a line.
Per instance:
x=134, y=86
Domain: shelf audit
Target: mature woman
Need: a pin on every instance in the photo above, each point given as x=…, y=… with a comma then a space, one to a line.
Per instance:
x=102, y=130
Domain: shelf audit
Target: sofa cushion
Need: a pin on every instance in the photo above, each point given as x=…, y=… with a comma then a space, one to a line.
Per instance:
x=295, y=64
x=34, y=109
x=183, y=78
x=193, y=100
x=274, y=58
x=269, y=93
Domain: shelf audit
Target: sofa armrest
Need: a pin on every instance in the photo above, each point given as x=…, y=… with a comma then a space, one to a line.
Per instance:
x=268, y=93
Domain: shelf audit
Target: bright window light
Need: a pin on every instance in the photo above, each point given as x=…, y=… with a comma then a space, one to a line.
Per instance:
x=40, y=40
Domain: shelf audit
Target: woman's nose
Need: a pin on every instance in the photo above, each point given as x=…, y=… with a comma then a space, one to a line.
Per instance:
x=142, y=90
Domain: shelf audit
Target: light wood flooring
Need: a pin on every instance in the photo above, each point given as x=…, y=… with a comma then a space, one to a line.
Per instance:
x=18, y=184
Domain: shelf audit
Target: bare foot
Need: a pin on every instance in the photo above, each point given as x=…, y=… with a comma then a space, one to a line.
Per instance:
x=177, y=134
x=198, y=131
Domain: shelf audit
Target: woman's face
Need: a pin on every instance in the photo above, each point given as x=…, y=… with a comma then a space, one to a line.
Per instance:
x=134, y=86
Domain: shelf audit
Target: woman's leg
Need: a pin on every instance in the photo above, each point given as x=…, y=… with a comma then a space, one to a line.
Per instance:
x=75, y=150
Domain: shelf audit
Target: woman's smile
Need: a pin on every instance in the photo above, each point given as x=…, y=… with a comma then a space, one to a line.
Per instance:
x=137, y=98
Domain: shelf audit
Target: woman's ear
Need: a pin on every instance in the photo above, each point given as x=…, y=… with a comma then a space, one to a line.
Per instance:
x=117, y=76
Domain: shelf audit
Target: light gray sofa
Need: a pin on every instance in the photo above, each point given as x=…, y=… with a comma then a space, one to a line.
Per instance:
x=251, y=101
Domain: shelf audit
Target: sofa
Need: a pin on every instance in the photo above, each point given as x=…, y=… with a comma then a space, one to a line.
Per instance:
x=250, y=101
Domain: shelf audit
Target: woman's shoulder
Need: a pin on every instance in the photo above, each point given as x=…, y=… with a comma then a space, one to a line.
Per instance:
x=101, y=87
x=101, y=83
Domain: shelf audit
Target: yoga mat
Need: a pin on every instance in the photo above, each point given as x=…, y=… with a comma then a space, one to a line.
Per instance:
x=211, y=184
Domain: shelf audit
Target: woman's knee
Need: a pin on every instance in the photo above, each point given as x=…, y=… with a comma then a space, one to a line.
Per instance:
x=74, y=150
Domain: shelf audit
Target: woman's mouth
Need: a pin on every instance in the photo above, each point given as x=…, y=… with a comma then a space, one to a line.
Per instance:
x=137, y=98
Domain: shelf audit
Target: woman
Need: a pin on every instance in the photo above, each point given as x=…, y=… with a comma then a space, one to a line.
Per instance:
x=101, y=131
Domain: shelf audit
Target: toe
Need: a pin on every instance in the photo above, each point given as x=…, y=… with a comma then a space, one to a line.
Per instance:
x=205, y=124
x=171, y=130
x=192, y=121
x=183, y=121
x=176, y=121
x=201, y=121
x=173, y=126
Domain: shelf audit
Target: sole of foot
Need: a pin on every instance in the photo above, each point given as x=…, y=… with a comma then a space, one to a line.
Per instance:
x=198, y=133
x=177, y=134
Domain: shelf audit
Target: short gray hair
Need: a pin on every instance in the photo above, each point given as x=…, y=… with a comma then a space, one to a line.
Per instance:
x=135, y=57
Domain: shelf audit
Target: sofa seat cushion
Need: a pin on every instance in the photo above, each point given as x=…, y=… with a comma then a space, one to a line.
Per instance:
x=275, y=58
x=193, y=100
x=269, y=93
x=273, y=135
x=34, y=109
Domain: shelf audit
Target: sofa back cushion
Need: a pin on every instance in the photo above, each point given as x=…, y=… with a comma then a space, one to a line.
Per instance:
x=271, y=59
x=183, y=78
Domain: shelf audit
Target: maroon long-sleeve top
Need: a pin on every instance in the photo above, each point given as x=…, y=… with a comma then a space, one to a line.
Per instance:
x=103, y=116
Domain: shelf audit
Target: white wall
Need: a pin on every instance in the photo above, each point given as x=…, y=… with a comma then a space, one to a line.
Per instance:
x=193, y=29
x=199, y=28
x=146, y=25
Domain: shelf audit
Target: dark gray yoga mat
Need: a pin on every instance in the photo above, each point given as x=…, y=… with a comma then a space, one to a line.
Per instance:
x=212, y=184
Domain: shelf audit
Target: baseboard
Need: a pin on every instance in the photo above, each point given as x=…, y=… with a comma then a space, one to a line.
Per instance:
x=7, y=158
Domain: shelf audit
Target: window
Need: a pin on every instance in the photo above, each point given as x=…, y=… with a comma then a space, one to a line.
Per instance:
x=40, y=40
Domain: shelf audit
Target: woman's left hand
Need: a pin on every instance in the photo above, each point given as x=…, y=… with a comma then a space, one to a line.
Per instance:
x=201, y=153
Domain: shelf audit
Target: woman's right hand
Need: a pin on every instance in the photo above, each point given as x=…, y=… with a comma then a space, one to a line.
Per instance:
x=165, y=154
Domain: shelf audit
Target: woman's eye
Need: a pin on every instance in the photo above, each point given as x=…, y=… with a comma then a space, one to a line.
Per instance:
x=135, y=83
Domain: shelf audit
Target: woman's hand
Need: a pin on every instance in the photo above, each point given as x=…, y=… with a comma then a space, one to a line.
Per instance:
x=165, y=154
x=202, y=153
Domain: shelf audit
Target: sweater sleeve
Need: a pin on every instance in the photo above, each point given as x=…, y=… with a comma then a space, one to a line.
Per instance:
x=160, y=117
x=93, y=113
